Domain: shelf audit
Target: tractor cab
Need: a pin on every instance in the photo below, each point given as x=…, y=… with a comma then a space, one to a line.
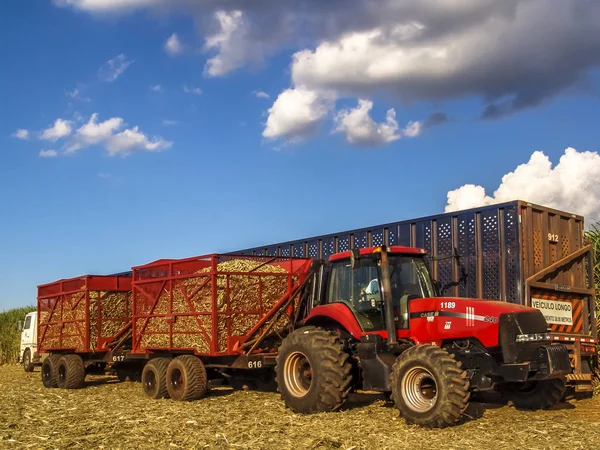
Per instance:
x=358, y=280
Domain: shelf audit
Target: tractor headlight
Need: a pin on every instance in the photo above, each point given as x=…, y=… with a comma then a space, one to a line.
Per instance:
x=535, y=337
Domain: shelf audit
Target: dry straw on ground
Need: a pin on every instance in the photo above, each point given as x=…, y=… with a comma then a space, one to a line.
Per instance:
x=111, y=415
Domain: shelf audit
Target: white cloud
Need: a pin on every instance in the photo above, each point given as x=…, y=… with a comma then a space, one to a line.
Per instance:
x=21, y=134
x=113, y=68
x=572, y=185
x=173, y=45
x=60, y=129
x=101, y=6
x=296, y=114
x=157, y=88
x=93, y=132
x=48, y=153
x=191, y=89
x=360, y=129
x=261, y=94
x=231, y=31
x=413, y=129
x=114, y=141
x=133, y=139
x=169, y=123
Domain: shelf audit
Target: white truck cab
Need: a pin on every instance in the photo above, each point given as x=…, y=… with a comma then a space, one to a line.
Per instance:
x=28, y=354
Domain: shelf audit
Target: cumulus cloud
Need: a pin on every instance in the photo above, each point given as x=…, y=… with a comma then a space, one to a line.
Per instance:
x=191, y=89
x=113, y=68
x=572, y=185
x=173, y=45
x=296, y=114
x=48, y=153
x=360, y=129
x=21, y=134
x=60, y=129
x=107, y=134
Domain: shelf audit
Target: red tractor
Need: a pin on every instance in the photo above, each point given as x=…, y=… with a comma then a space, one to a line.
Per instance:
x=373, y=322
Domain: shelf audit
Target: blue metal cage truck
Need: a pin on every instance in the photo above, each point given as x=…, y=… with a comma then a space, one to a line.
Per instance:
x=516, y=252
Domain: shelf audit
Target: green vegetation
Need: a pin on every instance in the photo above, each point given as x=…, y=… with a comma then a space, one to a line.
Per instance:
x=10, y=336
x=593, y=236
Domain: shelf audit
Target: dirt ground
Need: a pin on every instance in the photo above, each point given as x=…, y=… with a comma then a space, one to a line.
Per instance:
x=112, y=415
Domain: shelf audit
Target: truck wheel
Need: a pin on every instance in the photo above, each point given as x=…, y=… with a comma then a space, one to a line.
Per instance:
x=534, y=394
x=70, y=372
x=154, y=378
x=429, y=387
x=186, y=378
x=313, y=372
x=49, y=370
x=27, y=366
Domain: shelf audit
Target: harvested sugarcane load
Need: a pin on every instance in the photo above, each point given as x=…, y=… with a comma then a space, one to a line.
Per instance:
x=83, y=314
x=212, y=304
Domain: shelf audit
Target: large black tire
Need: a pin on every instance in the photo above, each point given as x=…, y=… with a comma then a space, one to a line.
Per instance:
x=49, y=371
x=70, y=372
x=429, y=387
x=534, y=395
x=186, y=378
x=27, y=365
x=313, y=372
x=154, y=378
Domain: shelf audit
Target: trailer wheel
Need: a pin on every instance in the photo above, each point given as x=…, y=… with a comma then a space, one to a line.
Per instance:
x=186, y=378
x=154, y=378
x=313, y=372
x=429, y=387
x=70, y=372
x=27, y=366
x=49, y=370
x=534, y=394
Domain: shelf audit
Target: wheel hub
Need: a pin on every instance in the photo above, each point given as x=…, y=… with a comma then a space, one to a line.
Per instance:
x=419, y=389
x=297, y=372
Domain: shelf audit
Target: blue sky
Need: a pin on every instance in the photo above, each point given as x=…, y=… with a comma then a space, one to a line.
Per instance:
x=217, y=180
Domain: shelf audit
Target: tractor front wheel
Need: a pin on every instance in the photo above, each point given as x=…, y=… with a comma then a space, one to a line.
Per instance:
x=313, y=372
x=534, y=394
x=429, y=387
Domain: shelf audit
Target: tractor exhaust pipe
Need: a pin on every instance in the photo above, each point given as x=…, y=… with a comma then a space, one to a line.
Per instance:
x=390, y=324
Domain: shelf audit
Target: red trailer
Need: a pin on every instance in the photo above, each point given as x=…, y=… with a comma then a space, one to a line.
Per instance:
x=87, y=315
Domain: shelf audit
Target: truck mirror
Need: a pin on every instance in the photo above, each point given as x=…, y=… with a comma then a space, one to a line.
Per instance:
x=355, y=258
x=20, y=325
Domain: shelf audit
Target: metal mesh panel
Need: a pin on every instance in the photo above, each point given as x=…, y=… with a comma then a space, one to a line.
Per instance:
x=467, y=249
x=313, y=249
x=327, y=247
x=512, y=267
x=491, y=255
x=273, y=251
x=360, y=239
x=285, y=251
x=343, y=243
x=377, y=237
x=299, y=249
x=393, y=235
x=444, y=248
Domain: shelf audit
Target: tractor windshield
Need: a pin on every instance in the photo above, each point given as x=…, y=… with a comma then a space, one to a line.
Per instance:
x=360, y=288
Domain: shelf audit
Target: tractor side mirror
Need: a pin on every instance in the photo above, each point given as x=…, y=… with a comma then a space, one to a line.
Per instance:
x=355, y=258
x=20, y=325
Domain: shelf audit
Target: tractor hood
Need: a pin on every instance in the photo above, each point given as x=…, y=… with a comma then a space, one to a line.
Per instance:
x=447, y=318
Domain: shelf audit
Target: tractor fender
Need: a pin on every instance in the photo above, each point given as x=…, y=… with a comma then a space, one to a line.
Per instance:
x=335, y=313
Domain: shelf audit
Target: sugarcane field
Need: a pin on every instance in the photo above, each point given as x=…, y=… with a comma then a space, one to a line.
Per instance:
x=342, y=224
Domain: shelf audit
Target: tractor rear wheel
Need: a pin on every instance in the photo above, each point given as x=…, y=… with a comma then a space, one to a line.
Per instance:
x=186, y=378
x=429, y=387
x=70, y=372
x=49, y=371
x=534, y=394
x=313, y=372
x=154, y=378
